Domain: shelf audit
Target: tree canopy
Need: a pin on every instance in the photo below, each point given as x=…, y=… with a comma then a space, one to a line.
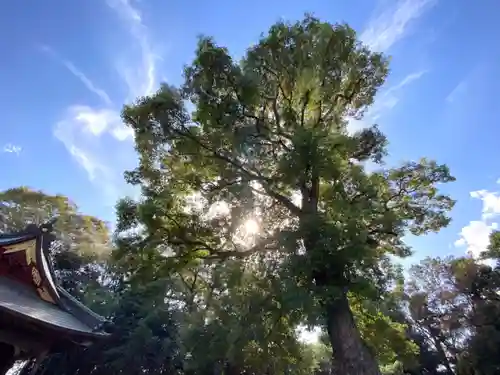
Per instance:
x=268, y=143
x=259, y=216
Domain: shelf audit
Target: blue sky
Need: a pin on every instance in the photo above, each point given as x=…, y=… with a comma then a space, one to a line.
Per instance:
x=69, y=66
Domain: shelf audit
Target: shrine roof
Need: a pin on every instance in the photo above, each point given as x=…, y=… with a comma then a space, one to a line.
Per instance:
x=21, y=300
x=29, y=288
x=9, y=239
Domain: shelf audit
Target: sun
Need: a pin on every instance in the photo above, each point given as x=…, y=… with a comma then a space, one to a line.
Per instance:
x=248, y=232
x=251, y=227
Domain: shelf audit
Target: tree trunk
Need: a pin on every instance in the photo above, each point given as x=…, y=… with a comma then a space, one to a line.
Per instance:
x=442, y=355
x=351, y=355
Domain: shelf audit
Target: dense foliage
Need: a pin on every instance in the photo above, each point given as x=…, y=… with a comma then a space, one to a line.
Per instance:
x=229, y=317
x=258, y=217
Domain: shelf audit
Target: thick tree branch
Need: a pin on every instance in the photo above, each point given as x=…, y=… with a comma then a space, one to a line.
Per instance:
x=255, y=176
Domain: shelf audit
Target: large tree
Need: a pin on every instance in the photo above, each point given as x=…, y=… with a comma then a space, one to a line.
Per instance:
x=266, y=164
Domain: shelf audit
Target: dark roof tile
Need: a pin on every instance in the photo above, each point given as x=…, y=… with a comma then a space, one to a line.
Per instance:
x=18, y=298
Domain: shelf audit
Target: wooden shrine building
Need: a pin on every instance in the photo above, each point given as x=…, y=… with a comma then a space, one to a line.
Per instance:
x=37, y=316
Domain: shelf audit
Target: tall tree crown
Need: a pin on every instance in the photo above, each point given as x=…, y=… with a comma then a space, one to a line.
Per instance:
x=269, y=139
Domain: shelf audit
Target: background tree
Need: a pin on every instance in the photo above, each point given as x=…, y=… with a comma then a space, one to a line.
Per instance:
x=22, y=206
x=267, y=147
x=438, y=309
x=82, y=240
x=454, y=307
x=482, y=284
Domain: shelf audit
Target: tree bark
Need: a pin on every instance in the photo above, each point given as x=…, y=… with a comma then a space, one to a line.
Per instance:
x=351, y=355
x=441, y=353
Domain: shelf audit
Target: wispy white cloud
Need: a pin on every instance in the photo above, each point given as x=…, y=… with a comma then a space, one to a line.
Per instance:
x=457, y=91
x=386, y=100
x=393, y=23
x=95, y=136
x=141, y=78
x=79, y=74
x=390, y=97
x=468, y=85
x=386, y=27
x=407, y=80
x=12, y=149
x=475, y=236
